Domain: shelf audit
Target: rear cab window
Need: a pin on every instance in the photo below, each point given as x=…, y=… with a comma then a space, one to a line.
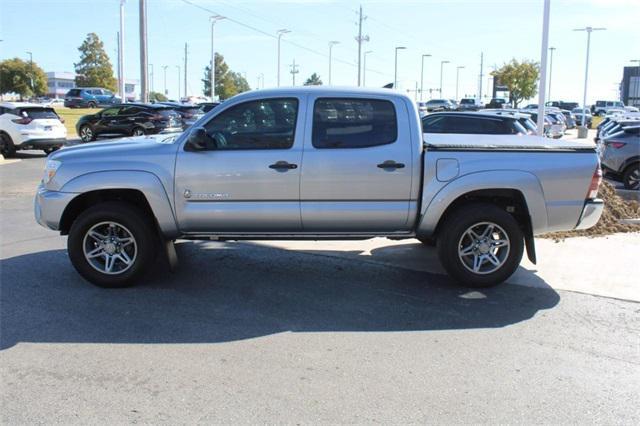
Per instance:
x=353, y=123
x=73, y=92
x=36, y=113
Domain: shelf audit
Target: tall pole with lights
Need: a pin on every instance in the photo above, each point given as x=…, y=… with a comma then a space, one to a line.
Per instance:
x=331, y=44
x=212, y=77
x=395, y=73
x=280, y=33
x=458, y=79
x=426, y=55
x=588, y=30
x=551, y=49
x=441, y=70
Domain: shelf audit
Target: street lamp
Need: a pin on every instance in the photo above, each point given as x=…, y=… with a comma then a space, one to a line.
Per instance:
x=551, y=49
x=395, y=74
x=331, y=44
x=178, y=66
x=426, y=55
x=441, y=68
x=280, y=33
x=588, y=30
x=165, y=79
x=31, y=70
x=212, y=77
x=458, y=79
x=151, y=75
x=364, y=67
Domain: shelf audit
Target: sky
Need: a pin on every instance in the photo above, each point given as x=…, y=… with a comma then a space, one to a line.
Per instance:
x=452, y=30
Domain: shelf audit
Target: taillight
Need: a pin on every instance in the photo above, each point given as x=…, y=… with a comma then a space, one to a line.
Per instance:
x=596, y=180
x=61, y=119
x=616, y=145
x=23, y=120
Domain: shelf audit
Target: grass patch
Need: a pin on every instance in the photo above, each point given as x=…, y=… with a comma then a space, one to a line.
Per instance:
x=596, y=121
x=71, y=117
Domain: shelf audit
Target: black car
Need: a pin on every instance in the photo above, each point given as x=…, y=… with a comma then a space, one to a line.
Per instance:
x=129, y=119
x=476, y=123
x=189, y=113
x=208, y=106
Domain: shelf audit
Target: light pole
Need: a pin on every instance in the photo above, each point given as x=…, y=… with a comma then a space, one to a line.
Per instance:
x=151, y=76
x=551, y=49
x=364, y=67
x=441, y=69
x=30, y=71
x=178, y=66
x=588, y=30
x=212, y=77
x=458, y=79
x=395, y=74
x=331, y=44
x=280, y=33
x=121, y=88
x=165, y=79
x=426, y=55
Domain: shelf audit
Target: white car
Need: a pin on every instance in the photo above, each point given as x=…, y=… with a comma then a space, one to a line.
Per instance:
x=30, y=126
x=53, y=103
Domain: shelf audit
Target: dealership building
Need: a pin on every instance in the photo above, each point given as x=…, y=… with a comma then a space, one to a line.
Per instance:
x=630, y=86
x=59, y=83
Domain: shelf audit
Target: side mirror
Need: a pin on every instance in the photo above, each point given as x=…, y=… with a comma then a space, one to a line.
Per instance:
x=199, y=140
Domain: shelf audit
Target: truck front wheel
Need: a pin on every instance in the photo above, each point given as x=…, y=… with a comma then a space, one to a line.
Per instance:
x=111, y=244
x=480, y=245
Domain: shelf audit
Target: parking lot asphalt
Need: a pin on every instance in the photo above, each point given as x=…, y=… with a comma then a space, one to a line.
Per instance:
x=253, y=332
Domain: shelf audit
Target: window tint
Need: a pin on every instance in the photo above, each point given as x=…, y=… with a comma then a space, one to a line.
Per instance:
x=36, y=113
x=130, y=110
x=353, y=123
x=482, y=126
x=434, y=124
x=109, y=112
x=73, y=92
x=263, y=124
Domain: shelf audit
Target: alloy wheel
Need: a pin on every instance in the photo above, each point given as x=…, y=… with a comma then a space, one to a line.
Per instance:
x=484, y=248
x=110, y=248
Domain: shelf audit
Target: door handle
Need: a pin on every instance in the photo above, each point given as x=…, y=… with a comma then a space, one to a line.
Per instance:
x=282, y=166
x=390, y=164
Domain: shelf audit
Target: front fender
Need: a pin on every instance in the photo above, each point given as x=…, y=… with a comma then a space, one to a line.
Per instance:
x=436, y=199
x=142, y=181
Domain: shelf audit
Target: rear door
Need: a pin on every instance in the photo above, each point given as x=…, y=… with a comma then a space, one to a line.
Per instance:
x=108, y=121
x=358, y=164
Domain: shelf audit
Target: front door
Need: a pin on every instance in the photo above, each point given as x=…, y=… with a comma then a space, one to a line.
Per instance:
x=358, y=166
x=108, y=122
x=248, y=180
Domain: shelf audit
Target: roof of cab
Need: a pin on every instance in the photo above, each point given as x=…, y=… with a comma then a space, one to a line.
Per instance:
x=329, y=91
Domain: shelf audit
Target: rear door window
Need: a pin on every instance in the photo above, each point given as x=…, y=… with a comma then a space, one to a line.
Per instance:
x=434, y=124
x=38, y=113
x=353, y=123
x=130, y=110
x=73, y=92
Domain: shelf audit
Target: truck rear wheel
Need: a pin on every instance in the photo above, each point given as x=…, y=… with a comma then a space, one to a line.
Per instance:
x=111, y=244
x=480, y=245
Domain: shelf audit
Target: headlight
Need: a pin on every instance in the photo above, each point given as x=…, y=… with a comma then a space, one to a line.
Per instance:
x=50, y=170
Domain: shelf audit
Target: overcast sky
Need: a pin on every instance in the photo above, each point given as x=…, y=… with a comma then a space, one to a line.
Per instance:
x=453, y=30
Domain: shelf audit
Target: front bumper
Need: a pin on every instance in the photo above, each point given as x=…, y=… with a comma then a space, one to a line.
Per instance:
x=41, y=143
x=50, y=205
x=591, y=213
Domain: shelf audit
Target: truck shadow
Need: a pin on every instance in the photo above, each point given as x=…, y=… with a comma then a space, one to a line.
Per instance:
x=230, y=291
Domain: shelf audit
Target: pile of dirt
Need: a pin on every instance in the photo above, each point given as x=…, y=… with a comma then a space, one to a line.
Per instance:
x=615, y=208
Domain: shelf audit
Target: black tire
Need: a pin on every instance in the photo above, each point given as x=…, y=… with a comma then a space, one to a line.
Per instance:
x=428, y=241
x=132, y=220
x=87, y=134
x=631, y=176
x=92, y=105
x=7, y=148
x=452, y=234
x=137, y=131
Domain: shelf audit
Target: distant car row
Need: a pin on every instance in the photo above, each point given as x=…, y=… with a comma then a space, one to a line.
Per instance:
x=618, y=140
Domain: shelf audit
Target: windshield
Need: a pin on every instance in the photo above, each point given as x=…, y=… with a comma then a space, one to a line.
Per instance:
x=39, y=113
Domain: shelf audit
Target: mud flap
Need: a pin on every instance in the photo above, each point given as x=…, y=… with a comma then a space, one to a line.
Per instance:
x=529, y=243
x=172, y=256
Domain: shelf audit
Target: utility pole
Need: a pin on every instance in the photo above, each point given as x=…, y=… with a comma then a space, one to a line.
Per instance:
x=458, y=79
x=294, y=71
x=441, y=68
x=186, y=52
x=364, y=67
x=178, y=66
x=360, y=39
x=151, y=76
x=395, y=73
x=481, y=76
x=551, y=49
x=588, y=30
x=212, y=76
x=30, y=72
x=119, y=58
x=121, y=85
x=165, y=79
x=280, y=33
x=144, y=91
x=331, y=44
x=422, y=74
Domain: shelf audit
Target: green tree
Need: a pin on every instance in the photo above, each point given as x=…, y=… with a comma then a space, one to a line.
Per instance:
x=22, y=77
x=520, y=78
x=314, y=80
x=94, y=68
x=157, y=97
x=228, y=83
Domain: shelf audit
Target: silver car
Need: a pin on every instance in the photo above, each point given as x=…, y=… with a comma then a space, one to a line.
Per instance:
x=620, y=156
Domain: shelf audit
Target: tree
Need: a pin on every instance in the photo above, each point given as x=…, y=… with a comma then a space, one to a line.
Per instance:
x=314, y=80
x=22, y=77
x=228, y=83
x=94, y=68
x=157, y=97
x=520, y=78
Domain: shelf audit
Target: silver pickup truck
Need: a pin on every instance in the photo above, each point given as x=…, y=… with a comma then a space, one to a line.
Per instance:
x=316, y=163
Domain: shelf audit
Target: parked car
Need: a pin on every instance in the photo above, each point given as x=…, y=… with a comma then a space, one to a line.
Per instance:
x=562, y=105
x=551, y=128
x=614, y=125
x=435, y=105
x=422, y=108
x=497, y=103
x=30, y=126
x=620, y=155
x=189, y=113
x=581, y=115
x=469, y=104
x=524, y=118
x=570, y=120
x=90, y=97
x=208, y=106
x=631, y=109
x=475, y=123
x=55, y=102
x=601, y=108
x=129, y=119
x=193, y=100
x=240, y=175
x=558, y=124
